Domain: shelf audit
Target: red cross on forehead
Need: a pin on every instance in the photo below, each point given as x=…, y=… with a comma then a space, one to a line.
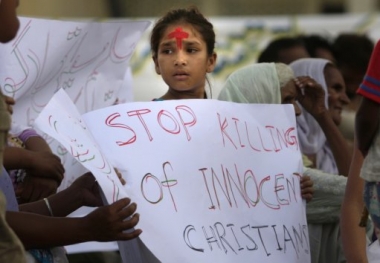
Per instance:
x=178, y=34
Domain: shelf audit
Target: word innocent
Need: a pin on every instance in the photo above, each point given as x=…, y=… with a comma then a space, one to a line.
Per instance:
x=227, y=187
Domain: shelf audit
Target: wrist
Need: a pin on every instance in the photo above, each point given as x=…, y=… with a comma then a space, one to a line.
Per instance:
x=75, y=196
x=322, y=115
x=27, y=160
x=72, y=199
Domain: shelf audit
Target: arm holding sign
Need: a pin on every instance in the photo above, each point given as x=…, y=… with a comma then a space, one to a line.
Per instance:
x=106, y=223
x=84, y=191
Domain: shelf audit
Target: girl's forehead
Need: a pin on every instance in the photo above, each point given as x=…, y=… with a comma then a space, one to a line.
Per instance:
x=187, y=28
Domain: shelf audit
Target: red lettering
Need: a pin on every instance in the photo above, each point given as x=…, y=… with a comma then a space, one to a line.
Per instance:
x=237, y=130
x=139, y=114
x=249, y=140
x=109, y=122
x=272, y=206
x=271, y=134
x=249, y=175
x=279, y=187
x=291, y=139
x=176, y=129
x=189, y=123
x=261, y=139
x=223, y=127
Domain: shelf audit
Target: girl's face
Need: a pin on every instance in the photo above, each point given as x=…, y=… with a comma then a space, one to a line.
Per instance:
x=289, y=96
x=336, y=89
x=182, y=60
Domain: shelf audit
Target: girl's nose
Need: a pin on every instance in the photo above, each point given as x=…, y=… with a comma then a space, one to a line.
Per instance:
x=181, y=58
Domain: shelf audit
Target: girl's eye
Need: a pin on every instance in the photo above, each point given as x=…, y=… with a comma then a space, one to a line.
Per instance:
x=191, y=50
x=166, y=51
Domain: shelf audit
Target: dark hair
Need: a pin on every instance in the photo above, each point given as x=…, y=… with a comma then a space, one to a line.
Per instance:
x=353, y=50
x=314, y=42
x=190, y=16
x=271, y=52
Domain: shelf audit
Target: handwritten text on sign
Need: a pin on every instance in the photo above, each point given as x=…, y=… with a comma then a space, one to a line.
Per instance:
x=214, y=181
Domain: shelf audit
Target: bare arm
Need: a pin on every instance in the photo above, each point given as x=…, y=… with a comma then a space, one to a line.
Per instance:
x=353, y=236
x=337, y=142
x=37, y=144
x=84, y=191
x=106, y=223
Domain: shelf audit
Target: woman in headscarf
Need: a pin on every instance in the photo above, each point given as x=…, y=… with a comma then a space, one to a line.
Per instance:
x=319, y=136
x=273, y=83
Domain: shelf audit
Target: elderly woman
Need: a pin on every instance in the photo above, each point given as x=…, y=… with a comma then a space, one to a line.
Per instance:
x=319, y=136
x=274, y=84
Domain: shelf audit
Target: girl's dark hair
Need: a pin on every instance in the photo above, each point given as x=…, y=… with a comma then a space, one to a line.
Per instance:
x=190, y=16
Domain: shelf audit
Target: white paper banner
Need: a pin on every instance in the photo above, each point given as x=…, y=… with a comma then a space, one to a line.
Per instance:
x=214, y=181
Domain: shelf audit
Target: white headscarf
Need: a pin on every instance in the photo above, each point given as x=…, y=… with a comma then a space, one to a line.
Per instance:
x=311, y=137
x=256, y=83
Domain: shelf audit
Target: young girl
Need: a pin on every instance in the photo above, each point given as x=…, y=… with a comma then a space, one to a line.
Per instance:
x=182, y=44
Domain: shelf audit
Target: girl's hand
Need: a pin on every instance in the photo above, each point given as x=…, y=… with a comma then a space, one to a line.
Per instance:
x=45, y=165
x=35, y=188
x=89, y=190
x=307, y=189
x=114, y=222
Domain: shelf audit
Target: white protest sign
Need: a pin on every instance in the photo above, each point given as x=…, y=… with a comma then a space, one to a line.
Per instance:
x=88, y=59
x=214, y=181
x=61, y=120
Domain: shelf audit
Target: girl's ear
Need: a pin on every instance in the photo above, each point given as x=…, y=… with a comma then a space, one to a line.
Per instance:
x=156, y=66
x=211, y=63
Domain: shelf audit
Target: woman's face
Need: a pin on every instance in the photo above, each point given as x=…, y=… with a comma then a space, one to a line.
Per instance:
x=336, y=90
x=182, y=59
x=289, y=96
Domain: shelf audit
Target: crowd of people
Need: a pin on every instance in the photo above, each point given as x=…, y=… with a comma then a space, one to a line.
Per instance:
x=328, y=82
